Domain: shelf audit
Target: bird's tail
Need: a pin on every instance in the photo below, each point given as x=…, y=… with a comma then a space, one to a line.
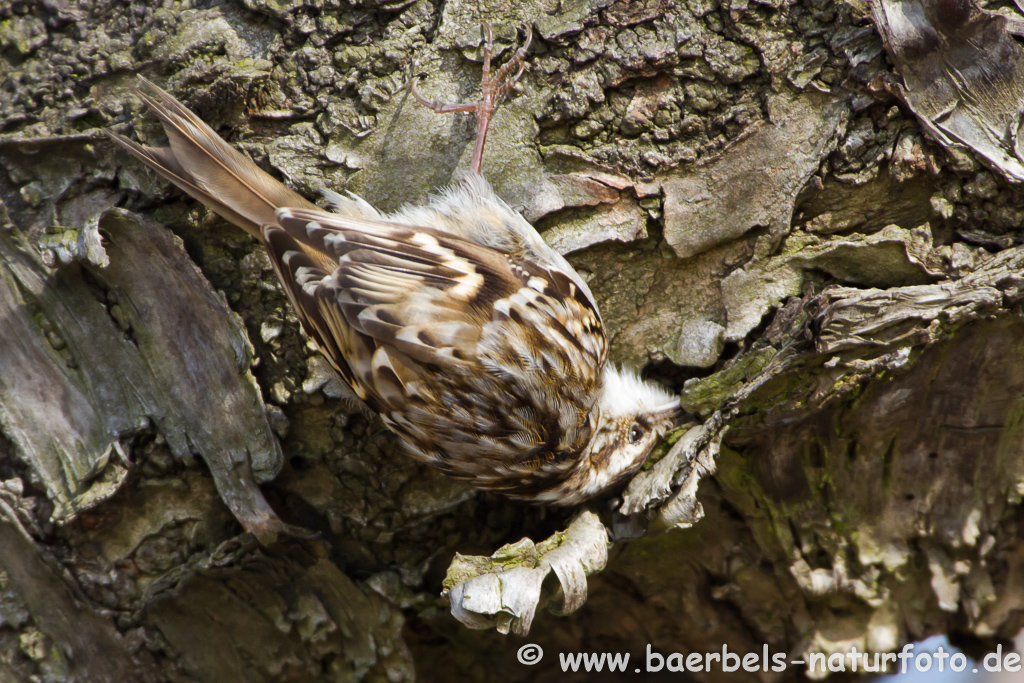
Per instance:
x=202, y=164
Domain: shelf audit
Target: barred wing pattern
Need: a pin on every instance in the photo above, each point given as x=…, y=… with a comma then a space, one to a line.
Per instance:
x=473, y=339
x=486, y=364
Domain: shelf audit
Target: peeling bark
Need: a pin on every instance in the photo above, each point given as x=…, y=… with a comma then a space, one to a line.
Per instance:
x=817, y=247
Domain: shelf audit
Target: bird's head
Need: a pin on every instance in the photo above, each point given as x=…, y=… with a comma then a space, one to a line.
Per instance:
x=630, y=416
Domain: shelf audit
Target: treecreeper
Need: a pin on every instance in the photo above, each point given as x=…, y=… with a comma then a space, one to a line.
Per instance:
x=472, y=339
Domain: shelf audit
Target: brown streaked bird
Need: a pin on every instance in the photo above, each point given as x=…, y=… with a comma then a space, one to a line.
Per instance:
x=471, y=338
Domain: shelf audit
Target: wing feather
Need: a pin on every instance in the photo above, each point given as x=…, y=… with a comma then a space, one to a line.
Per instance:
x=441, y=335
x=477, y=343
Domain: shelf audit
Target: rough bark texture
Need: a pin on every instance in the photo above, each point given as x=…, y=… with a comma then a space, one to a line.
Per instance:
x=791, y=211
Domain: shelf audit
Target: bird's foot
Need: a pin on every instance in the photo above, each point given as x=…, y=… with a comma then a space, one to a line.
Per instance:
x=491, y=90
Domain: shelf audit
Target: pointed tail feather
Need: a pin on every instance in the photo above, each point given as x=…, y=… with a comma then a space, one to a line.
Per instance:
x=202, y=164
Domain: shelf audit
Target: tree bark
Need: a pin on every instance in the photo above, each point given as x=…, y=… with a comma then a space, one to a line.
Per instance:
x=800, y=215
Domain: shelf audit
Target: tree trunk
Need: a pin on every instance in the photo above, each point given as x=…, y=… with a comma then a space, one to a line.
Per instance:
x=800, y=215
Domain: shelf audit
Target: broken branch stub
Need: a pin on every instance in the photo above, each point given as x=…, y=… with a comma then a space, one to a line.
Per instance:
x=504, y=590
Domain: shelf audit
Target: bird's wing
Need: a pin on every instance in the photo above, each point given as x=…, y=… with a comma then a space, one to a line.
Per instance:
x=463, y=349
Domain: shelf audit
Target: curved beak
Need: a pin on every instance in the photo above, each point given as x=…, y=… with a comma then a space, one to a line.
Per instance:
x=671, y=412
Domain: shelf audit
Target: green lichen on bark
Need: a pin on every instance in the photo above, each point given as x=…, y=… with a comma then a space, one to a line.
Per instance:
x=806, y=315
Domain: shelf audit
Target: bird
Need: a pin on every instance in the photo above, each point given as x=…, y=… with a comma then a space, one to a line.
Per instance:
x=470, y=337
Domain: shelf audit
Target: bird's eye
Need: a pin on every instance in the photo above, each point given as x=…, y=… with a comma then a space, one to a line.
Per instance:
x=636, y=432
